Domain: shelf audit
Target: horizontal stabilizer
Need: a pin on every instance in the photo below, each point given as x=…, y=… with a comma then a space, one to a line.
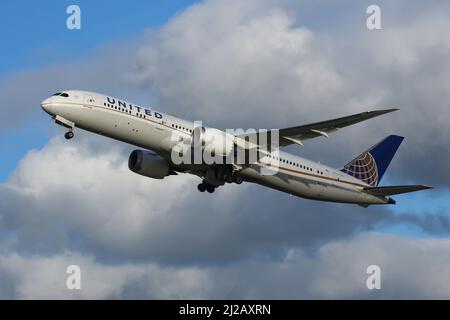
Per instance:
x=392, y=190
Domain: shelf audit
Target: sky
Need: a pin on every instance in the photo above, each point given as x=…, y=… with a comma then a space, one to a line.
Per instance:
x=231, y=64
x=40, y=39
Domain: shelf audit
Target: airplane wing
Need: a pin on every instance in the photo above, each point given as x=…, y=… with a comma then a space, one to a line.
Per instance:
x=392, y=190
x=300, y=133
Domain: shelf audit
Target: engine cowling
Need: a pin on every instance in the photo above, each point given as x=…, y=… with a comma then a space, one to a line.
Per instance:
x=148, y=164
x=213, y=141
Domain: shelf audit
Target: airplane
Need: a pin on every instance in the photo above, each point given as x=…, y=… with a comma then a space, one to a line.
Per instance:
x=159, y=134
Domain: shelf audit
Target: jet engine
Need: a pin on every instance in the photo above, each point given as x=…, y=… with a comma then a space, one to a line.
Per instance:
x=213, y=141
x=149, y=165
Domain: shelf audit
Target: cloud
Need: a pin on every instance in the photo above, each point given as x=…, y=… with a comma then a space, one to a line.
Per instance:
x=405, y=65
x=67, y=196
x=410, y=268
x=338, y=270
x=102, y=70
x=254, y=64
x=221, y=59
x=268, y=64
x=43, y=277
x=75, y=196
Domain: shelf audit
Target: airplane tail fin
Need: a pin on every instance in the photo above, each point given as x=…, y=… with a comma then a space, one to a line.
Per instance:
x=371, y=165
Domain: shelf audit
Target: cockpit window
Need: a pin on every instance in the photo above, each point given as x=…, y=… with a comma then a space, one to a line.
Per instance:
x=65, y=95
x=57, y=94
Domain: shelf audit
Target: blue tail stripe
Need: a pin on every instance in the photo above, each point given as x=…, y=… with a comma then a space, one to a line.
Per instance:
x=384, y=152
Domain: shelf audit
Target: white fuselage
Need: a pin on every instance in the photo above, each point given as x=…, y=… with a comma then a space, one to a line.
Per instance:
x=154, y=130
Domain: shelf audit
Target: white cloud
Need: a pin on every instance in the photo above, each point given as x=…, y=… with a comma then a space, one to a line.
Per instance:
x=95, y=195
x=252, y=64
x=73, y=195
x=221, y=59
x=410, y=268
x=259, y=64
x=40, y=277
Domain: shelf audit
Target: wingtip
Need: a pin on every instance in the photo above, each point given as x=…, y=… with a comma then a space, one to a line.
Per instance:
x=388, y=110
x=380, y=112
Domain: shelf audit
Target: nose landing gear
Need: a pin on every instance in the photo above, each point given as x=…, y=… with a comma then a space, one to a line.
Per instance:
x=66, y=124
x=69, y=135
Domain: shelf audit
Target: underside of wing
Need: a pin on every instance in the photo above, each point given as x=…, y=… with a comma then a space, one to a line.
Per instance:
x=296, y=135
x=323, y=128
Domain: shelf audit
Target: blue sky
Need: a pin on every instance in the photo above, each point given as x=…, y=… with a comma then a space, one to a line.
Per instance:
x=35, y=32
x=35, y=36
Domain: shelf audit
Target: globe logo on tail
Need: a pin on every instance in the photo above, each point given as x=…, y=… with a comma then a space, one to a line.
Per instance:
x=363, y=168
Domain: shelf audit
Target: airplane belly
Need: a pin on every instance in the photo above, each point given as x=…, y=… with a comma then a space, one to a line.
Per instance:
x=282, y=182
x=309, y=189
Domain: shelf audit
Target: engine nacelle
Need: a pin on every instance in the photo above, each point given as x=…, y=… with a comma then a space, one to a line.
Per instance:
x=213, y=141
x=148, y=164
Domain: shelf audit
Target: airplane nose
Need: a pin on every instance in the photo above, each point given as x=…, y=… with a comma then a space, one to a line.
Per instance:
x=47, y=104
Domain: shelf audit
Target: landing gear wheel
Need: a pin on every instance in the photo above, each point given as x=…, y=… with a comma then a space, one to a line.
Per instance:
x=210, y=189
x=68, y=135
x=201, y=187
x=228, y=178
x=238, y=180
